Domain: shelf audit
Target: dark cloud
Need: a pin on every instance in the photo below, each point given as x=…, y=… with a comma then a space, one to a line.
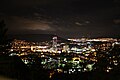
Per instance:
x=63, y=17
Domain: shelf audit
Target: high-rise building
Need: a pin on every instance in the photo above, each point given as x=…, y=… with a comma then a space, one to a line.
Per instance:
x=54, y=45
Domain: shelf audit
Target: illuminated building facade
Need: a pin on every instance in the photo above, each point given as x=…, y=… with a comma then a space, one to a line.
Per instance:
x=54, y=45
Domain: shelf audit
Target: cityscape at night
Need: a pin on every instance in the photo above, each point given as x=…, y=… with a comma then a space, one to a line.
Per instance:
x=59, y=40
x=70, y=57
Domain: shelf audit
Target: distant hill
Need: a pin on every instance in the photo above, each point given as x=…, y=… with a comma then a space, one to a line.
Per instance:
x=36, y=37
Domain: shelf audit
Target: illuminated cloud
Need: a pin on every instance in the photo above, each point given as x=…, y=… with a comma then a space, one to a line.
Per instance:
x=39, y=26
x=116, y=21
x=21, y=23
x=78, y=23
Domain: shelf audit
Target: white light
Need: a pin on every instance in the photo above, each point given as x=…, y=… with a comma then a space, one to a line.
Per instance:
x=108, y=71
x=79, y=69
x=65, y=71
x=93, y=50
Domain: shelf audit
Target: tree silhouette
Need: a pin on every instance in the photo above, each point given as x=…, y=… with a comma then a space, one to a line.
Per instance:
x=3, y=31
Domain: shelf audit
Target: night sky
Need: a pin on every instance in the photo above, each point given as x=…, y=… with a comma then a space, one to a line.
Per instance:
x=66, y=18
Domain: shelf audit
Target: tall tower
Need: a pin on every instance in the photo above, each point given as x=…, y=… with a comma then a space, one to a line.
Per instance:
x=54, y=45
